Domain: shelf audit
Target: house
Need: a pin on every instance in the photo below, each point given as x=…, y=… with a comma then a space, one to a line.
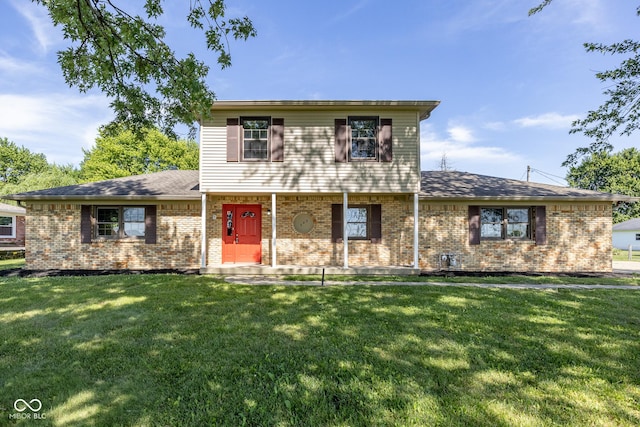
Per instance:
x=11, y=226
x=282, y=183
x=627, y=234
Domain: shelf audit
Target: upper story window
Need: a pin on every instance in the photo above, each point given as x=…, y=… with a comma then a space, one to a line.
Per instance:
x=364, y=138
x=255, y=138
x=7, y=227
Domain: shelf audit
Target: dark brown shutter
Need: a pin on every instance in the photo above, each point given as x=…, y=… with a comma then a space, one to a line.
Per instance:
x=150, y=224
x=541, y=225
x=474, y=225
x=376, y=223
x=277, y=140
x=336, y=223
x=233, y=140
x=386, y=140
x=341, y=140
x=85, y=224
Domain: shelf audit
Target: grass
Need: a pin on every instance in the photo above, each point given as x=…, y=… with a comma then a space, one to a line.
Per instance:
x=621, y=255
x=193, y=350
x=11, y=263
x=631, y=280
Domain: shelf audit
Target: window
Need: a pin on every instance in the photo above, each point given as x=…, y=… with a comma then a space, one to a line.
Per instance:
x=255, y=138
x=357, y=221
x=363, y=138
x=364, y=222
x=637, y=236
x=364, y=141
x=120, y=222
x=505, y=223
x=7, y=227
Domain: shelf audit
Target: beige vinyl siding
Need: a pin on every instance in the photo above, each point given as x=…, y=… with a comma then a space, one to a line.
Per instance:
x=309, y=159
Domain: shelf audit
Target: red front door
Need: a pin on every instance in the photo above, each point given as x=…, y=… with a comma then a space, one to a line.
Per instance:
x=242, y=234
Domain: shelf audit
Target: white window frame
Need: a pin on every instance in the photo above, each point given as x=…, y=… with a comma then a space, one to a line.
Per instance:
x=13, y=227
x=267, y=140
x=366, y=138
x=121, y=223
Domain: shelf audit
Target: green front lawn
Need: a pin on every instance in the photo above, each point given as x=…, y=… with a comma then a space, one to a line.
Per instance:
x=191, y=350
x=11, y=263
x=620, y=255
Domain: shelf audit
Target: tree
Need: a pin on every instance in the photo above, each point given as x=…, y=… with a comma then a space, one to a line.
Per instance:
x=612, y=173
x=125, y=56
x=15, y=162
x=620, y=113
x=122, y=152
x=52, y=176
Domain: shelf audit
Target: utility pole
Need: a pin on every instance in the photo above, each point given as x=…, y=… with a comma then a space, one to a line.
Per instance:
x=528, y=172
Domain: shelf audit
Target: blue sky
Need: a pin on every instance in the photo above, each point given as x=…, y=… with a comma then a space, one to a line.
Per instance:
x=509, y=84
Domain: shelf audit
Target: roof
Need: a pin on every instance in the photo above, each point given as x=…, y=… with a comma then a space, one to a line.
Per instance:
x=11, y=209
x=423, y=107
x=453, y=185
x=436, y=185
x=166, y=185
x=629, y=225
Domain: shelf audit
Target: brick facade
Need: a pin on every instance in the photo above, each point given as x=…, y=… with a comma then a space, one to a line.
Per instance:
x=316, y=247
x=53, y=240
x=578, y=237
x=578, y=240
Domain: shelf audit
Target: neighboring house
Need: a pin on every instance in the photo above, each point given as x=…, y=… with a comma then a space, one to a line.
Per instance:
x=627, y=233
x=281, y=183
x=11, y=226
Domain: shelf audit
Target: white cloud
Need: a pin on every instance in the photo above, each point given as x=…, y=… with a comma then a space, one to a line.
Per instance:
x=44, y=32
x=460, y=134
x=462, y=150
x=14, y=66
x=58, y=125
x=547, y=120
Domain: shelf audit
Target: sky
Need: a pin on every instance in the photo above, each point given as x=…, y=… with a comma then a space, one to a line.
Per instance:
x=510, y=85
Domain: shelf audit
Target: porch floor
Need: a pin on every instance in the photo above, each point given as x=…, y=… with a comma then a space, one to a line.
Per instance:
x=284, y=270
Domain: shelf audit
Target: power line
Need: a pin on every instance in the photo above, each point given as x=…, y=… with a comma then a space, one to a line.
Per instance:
x=551, y=177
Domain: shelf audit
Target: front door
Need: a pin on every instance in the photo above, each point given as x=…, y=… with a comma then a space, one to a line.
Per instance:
x=242, y=234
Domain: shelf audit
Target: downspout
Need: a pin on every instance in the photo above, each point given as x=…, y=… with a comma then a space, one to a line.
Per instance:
x=203, y=225
x=274, y=258
x=416, y=234
x=345, y=237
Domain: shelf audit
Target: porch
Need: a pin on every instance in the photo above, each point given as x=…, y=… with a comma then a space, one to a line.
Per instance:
x=290, y=270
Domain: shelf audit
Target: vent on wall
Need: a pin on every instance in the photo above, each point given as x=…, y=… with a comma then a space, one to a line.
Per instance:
x=450, y=261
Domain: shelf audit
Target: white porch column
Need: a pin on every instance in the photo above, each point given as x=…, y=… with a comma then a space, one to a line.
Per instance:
x=203, y=232
x=273, y=230
x=345, y=237
x=416, y=232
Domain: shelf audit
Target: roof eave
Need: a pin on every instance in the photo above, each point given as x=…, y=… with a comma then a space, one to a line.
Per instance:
x=519, y=199
x=71, y=198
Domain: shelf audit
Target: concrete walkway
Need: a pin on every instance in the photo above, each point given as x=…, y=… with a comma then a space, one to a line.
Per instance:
x=619, y=267
x=626, y=267
x=266, y=281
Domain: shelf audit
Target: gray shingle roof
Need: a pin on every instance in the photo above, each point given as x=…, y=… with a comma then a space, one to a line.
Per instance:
x=435, y=185
x=452, y=185
x=629, y=225
x=166, y=185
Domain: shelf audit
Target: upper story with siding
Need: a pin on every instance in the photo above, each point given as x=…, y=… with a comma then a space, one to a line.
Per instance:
x=312, y=147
